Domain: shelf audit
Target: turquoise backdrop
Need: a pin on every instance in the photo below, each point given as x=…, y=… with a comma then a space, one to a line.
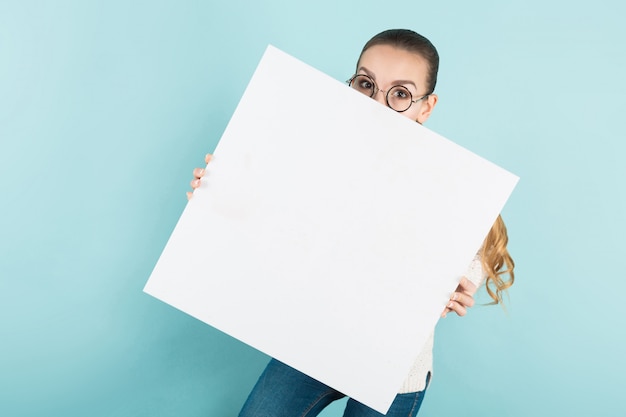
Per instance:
x=106, y=106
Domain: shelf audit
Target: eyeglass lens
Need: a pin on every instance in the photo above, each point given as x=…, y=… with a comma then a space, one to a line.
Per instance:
x=399, y=98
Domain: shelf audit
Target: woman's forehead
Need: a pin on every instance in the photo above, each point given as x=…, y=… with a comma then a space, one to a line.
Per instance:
x=389, y=63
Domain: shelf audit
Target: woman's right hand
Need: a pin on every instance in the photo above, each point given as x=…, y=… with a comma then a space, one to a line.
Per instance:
x=198, y=173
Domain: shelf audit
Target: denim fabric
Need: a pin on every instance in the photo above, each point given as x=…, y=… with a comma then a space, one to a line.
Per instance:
x=282, y=391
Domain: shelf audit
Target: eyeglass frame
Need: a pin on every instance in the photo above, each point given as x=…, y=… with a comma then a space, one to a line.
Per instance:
x=376, y=90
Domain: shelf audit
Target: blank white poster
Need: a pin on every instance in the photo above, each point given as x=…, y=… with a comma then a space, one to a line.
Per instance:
x=329, y=230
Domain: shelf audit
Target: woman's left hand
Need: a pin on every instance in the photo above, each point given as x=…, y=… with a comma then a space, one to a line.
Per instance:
x=461, y=299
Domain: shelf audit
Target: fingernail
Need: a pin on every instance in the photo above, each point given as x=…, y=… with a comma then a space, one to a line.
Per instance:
x=454, y=297
x=196, y=182
x=450, y=304
x=201, y=171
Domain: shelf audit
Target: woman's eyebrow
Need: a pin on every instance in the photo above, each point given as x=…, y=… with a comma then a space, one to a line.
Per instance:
x=367, y=72
x=396, y=82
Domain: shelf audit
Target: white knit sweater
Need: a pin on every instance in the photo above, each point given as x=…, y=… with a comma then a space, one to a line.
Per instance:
x=416, y=380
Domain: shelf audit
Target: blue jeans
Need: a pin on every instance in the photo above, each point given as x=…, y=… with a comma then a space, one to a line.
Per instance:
x=281, y=391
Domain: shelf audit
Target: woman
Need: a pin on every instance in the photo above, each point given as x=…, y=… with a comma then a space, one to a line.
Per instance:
x=397, y=68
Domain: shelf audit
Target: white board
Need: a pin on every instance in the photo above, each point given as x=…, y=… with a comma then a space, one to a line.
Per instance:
x=329, y=231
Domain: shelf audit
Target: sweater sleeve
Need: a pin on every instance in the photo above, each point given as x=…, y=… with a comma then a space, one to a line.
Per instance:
x=475, y=271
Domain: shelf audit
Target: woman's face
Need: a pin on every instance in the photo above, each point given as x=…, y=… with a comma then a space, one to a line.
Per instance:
x=389, y=66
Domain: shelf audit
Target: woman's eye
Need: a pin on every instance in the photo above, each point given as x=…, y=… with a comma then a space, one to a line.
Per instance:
x=400, y=93
x=365, y=84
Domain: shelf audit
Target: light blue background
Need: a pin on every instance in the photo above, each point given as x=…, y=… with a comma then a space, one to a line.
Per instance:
x=106, y=106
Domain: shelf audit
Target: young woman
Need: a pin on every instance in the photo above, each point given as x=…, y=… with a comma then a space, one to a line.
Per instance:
x=398, y=68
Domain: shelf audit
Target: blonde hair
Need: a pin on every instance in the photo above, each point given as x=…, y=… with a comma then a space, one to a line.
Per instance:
x=497, y=261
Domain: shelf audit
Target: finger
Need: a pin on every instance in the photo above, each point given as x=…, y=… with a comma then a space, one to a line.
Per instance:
x=189, y=195
x=468, y=286
x=463, y=298
x=198, y=172
x=457, y=308
x=195, y=183
x=445, y=312
x=208, y=158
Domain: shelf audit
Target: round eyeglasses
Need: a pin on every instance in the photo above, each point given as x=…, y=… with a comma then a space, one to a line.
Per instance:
x=398, y=97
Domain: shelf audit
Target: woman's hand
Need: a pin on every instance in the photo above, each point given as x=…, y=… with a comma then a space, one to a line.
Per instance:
x=198, y=173
x=461, y=299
